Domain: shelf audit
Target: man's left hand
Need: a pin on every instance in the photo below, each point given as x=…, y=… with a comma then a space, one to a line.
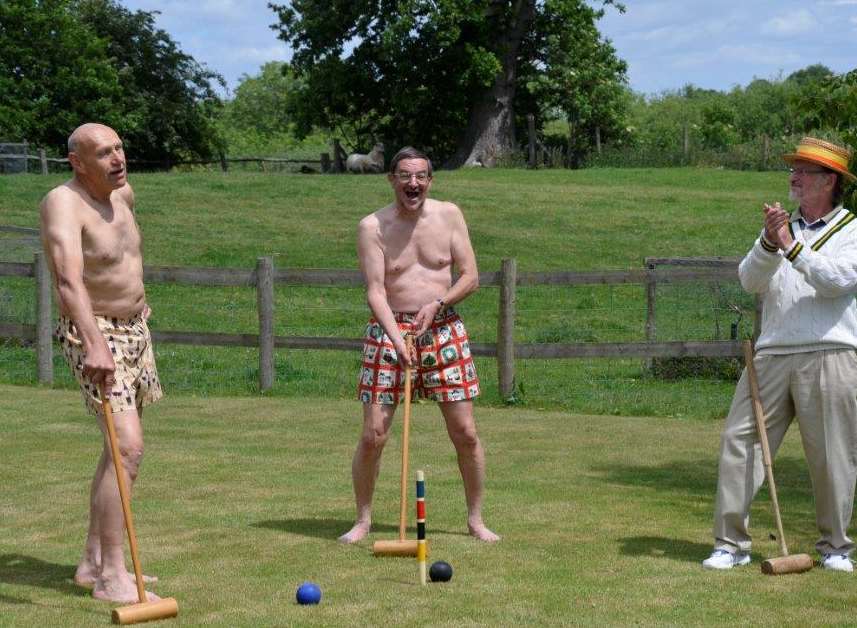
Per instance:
x=425, y=316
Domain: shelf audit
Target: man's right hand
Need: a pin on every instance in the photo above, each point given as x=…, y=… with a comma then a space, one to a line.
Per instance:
x=98, y=364
x=406, y=358
x=776, y=226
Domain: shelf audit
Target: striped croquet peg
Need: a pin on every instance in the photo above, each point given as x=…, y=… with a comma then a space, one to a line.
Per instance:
x=421, y=525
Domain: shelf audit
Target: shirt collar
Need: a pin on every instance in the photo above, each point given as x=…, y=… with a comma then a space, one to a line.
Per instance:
x=824, y=220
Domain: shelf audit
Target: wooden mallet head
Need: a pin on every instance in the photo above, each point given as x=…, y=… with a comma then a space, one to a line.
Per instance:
x=146, y=611
x=793, y=563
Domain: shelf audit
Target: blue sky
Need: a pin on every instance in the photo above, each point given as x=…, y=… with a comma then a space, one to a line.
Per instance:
x=667, y=43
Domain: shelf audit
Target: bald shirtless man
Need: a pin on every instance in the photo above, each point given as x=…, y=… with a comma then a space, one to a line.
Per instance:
x=407, y=251
x=93, y=247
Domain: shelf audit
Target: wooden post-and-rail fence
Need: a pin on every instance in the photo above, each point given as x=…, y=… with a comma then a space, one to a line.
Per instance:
x=265, y=277
x=223, y=161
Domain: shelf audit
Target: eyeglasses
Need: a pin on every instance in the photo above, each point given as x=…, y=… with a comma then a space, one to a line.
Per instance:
x=803, y=171
x=405, y=177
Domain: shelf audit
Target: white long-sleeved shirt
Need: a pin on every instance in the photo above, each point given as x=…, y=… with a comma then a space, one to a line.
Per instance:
x=810, y=291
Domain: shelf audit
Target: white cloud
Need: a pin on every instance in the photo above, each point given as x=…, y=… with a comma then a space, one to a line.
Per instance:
x=788, y=25
x=260, y=55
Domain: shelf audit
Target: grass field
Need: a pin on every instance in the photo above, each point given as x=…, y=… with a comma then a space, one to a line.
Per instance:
x=604, y=520
x=548, y=220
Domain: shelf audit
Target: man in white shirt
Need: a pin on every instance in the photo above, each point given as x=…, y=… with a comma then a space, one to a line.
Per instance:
x=805, y=267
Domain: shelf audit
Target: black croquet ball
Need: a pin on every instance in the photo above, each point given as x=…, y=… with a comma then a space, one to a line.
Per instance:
x=440, y=571
x=308, y=593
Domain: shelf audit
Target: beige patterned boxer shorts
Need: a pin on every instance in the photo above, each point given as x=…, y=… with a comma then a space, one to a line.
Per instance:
x=136, y=377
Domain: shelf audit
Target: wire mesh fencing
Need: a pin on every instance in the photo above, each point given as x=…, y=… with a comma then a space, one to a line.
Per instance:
x=219, y=326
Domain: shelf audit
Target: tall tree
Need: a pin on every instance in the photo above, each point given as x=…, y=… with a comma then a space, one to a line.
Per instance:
x=168, y=98
x=54, y=73
x=64, y=62
x=572, y=70
x=446, y=74
x=832, y=105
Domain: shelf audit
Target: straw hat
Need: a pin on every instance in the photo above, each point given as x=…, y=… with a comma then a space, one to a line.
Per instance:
x=823, y=153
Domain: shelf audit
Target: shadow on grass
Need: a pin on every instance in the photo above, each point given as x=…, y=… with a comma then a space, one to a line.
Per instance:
x=8, y=599
x=699, y=479
x=329, y=528
x=29, y=571
x=661, y=547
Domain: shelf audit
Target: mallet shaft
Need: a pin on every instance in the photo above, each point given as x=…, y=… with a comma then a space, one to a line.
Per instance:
x=421, y=525
x=406, y=429
x=123, y=491
x=762, y=429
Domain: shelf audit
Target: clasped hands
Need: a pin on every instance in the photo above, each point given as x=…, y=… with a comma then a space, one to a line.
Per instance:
x=777, y=226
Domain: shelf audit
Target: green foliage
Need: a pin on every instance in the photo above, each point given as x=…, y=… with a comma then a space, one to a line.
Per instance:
x=257, y=120
x=832, y=104
x=260, y=102
x=54, y=73
x=575, y=72
x=167, y=100
x=377, y=70
x=65, y=62
x=747, y=127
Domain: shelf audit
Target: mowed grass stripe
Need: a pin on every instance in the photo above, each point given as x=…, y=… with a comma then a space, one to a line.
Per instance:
x=604, y=519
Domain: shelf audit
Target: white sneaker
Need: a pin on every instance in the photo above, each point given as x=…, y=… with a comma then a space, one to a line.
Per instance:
x=723, y=559
x=837, y=562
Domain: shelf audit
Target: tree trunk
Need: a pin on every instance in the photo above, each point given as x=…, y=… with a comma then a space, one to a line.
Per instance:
x=490, y=131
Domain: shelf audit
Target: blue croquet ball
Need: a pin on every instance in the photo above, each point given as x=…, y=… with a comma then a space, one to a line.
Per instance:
x=440, y=571
x=308, y=593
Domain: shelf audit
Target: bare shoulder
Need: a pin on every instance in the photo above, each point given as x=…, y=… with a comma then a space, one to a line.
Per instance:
x=449, y=212
x=62, y=200
x=375, y=221
x=126, y=193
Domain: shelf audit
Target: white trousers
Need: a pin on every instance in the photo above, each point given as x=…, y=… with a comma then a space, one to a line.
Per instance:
x=820, y=389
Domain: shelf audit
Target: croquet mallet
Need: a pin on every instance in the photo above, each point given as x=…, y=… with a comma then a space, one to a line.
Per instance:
x=402, y=546
x=143, y=610
x=785, y=564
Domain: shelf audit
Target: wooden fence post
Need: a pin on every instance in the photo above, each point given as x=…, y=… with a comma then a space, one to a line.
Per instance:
x=506, y=329
x=337, y=157
x=325, y=162
x=686, y=145
x=224, y=165
x=265, y=304
x=531, y=130
x=651, y=299
x=44, y=318
x=598, y=140
x=43, y=159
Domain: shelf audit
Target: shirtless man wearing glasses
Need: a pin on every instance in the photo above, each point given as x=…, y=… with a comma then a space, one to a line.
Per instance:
x=407, y=252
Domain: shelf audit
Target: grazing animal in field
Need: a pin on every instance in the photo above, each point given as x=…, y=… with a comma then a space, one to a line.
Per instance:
x=373, y=162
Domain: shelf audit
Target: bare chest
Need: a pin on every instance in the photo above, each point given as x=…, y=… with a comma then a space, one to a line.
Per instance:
x=422, y=247
x=108, y=240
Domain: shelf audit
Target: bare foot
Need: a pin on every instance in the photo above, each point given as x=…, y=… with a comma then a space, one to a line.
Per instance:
x=357, y=533
x=479, y=531
x=86, y=575
x=121, y=591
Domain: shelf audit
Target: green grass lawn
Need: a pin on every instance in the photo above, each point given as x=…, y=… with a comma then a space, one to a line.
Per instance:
x=548, y=220
x=604, y=520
